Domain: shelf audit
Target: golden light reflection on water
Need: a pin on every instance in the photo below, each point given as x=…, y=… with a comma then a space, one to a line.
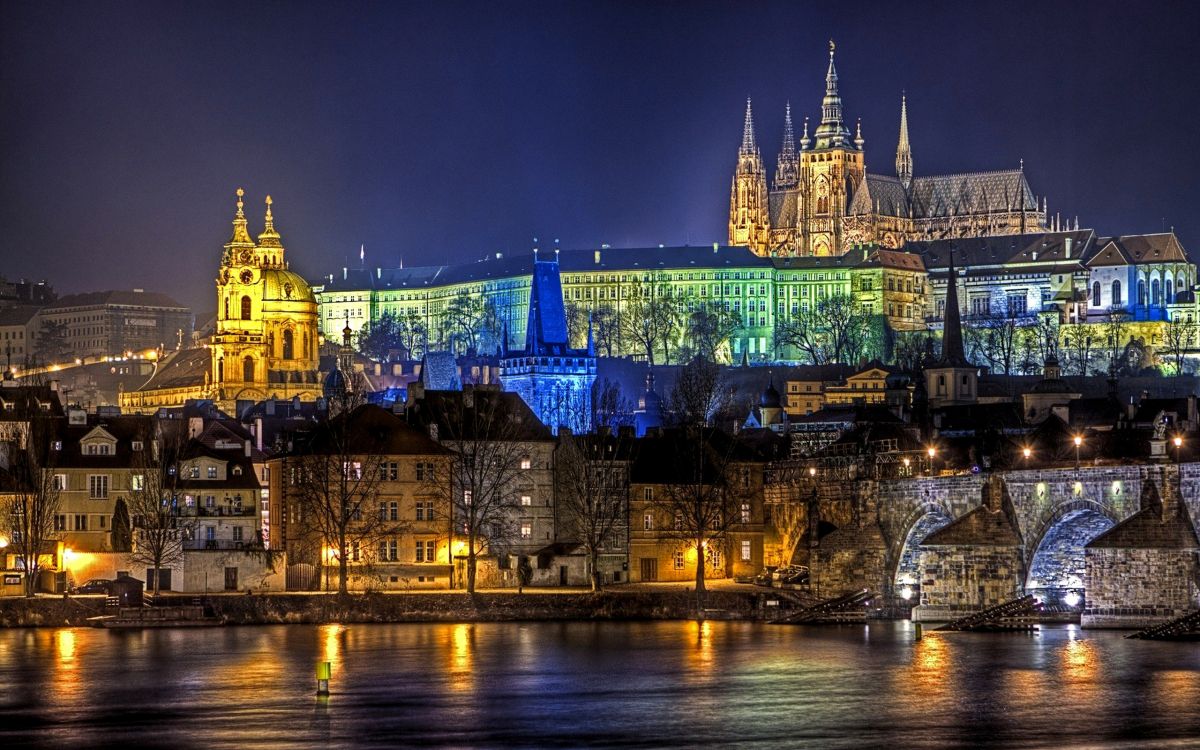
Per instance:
x=1176, y=690
x=66, y=684
x=700, y=651
x=64, y=642
x=462, y=656
x=930, y=674
x=331, y=639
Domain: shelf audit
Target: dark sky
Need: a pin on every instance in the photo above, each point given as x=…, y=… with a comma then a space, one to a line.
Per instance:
x=445, y=131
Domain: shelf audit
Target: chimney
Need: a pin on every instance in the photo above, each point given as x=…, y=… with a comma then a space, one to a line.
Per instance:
x=246, y=447
x=258, y=432
x=195, y=427
x=1067, y=247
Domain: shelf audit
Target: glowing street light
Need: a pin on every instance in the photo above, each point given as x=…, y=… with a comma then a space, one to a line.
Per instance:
x=1026, y=453
x=1078, y=440
x=932, y=452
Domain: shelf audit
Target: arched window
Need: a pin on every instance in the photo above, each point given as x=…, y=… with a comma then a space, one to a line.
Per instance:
x=245, y=308
x=1141, y=292
x=288, y=353
x=248, y=369
x=226, y=308
x=221, y=370
x=1170, y=291
x=1095, y=294
x=1116, y=290
x=1155, y=293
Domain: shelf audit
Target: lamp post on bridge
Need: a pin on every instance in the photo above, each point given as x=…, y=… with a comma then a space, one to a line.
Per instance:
x=1078, y=440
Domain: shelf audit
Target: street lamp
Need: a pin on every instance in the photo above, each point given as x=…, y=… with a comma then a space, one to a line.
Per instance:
x=932, y=452
x=1178, y=441
x=1078, y=440
x=1026, y=452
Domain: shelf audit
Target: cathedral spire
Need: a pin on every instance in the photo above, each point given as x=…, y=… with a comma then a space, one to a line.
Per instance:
x=240, y=234
x=804, y=139
x=904, y=163
x=858, y=139
x=787, y=167
x=748, y=144
x=832, y=131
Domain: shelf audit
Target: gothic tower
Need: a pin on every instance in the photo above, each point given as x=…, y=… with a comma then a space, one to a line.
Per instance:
x=265, y=342
x=952, y=379
x=830, y=172
x=787, y=167
x=904, y=163
x=748, y=221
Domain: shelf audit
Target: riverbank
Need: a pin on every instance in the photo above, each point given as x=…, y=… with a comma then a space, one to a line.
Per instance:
x=310, y=608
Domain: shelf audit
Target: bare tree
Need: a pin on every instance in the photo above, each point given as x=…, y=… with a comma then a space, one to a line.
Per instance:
x=160, y=525
x=652, y=319
x=708, y=328
x=471, y=319
x=606, y=326
x=1179, y=337
x=698, y=501
x=1077, y=345
x=699, y=394
x=491, y=441
x=992, y=337
x=835, y=330
x=610, y=408
x=592, y=477
x=335, y=481
x=31, y=500
x=1115, y=330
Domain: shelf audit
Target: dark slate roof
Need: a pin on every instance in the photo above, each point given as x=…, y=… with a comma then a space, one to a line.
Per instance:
x=900, y=259
x=182, y=369
x=1139, y=248
x=477, y=413
x=884, y=191
x=1147, y=529
x=570, y=261
x=1017, y=250
x=125, y=429
x=27, y=401
x=669, y=457
x=439, y=372
x=369, y=429
x=782, y=208
x=116, y=297
x=18, y=315
x=971, y=193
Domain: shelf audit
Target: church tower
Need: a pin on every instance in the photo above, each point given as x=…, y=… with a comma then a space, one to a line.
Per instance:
x=787, y=167
x=265, y=342
x=748, y=221
x=830, y=172
x=952, y=379
x=904, y=163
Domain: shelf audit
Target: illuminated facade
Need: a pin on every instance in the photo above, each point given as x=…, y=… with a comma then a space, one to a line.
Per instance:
x=823, y=201
x=266, y=338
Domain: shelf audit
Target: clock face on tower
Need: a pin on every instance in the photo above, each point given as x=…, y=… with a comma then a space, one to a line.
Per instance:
x=246, y=276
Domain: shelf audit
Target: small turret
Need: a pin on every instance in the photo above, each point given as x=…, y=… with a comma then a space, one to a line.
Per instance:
x=904, y=162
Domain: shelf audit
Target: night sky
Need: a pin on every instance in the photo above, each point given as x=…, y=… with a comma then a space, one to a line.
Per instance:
x=443, y=132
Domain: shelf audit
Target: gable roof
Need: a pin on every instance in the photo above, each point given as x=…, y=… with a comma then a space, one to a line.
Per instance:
x=1134, y=249
x=971, y=193
x=882, y=191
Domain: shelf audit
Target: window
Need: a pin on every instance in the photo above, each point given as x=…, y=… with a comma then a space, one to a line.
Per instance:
x=389, y=551
x=677, y=559
x=746, y=556
x=137, y=482
x=526, y=500
x=389, y=471
x=714, y=556
x=60, y=522
x=60, y=481
x=248, y=369
x=526, y=530
x=526, y=463
x=245, y=308
x=744, y=514
x=424, y=471
x=98, y=486
x=137, y=445
x=194, y=472
x=393, y=511
x=1017, y=304
x=210, y=533
x=1095, y=294
x=212, y=472
x=1116, y=294
x=647, y=493
x=648, y=522
x=467, y=497
x=288, y=344
x=237, y=533
x=430, y=550
x=678, y=525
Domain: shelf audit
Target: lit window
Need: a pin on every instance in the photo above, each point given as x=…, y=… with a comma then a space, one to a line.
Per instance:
x=137, y=482
x=526, y=500
x=526, y=530
x=526, y=463
x=648, y=522
x=746, y=550
x=677, y=559
x=745, y=513
x=98, y=486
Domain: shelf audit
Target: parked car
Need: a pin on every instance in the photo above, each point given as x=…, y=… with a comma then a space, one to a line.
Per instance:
x=792, y=574
x=764, y=578
x=94, y=586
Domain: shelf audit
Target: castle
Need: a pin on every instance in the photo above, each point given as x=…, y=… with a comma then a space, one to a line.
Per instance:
x=823, y=202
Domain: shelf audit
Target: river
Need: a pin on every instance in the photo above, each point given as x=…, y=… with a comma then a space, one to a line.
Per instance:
x=644, y=684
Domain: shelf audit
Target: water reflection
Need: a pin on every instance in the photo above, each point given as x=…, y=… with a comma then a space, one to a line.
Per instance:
x=661, y=684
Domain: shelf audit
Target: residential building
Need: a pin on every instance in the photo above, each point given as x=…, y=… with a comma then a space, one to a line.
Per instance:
x=115, y=323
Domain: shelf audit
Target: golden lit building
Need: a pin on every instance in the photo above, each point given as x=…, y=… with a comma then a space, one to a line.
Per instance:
x=823, y=201
x=265, y=344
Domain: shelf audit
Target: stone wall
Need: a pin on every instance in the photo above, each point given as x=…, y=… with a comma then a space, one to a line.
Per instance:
x=959, y=580
x=1137, y=588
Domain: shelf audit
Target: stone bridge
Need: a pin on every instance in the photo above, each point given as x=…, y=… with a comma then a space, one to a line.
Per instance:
x=880, y=534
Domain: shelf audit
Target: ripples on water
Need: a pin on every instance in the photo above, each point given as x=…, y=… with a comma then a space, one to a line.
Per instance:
x=588, y=684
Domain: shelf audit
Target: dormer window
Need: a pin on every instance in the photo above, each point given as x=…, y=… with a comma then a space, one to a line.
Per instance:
x=237, y=471
x=137, y=445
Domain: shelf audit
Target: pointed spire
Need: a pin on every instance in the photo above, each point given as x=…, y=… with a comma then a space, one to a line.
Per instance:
x=832, y=131
x=787, y=169
x=748, y=144
x=269, y=237
x=240, y=239
x=804, y=139
x=952, y=341
x=904, y=162
x=858, y=139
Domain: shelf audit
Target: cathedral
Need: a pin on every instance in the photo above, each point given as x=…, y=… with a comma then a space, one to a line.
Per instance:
x=823, y=201
x=264, y=344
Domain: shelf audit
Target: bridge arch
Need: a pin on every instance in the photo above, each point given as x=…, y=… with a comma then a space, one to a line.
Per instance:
x=1054, y=553
x=904, y=553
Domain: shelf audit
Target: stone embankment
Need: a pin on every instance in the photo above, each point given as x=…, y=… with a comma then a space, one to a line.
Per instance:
x=269, y=609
